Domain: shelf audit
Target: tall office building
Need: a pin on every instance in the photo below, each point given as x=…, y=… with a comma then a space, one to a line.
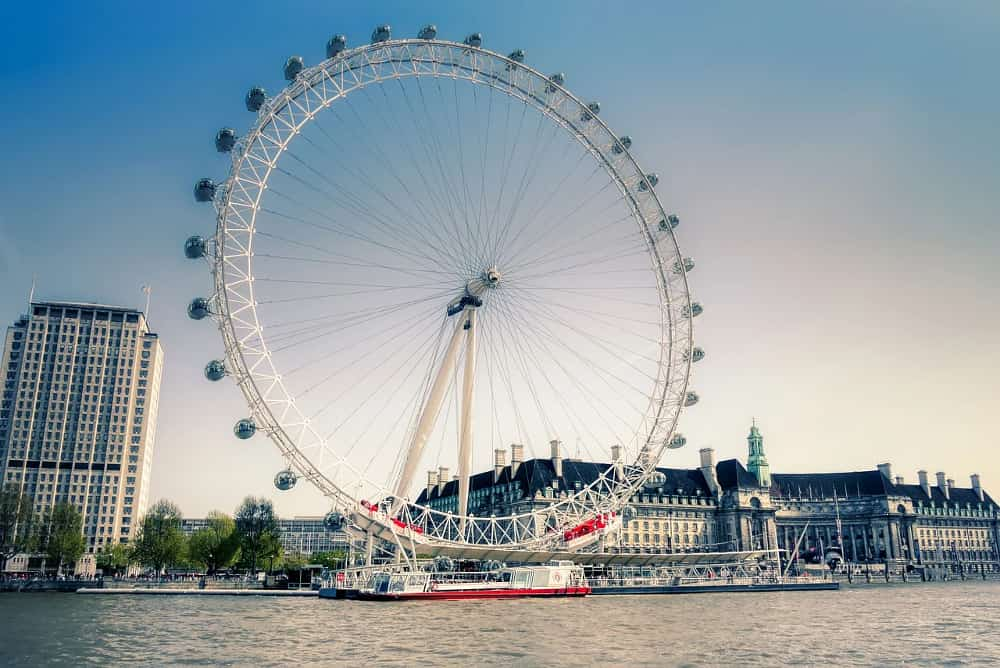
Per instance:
x=78, y=413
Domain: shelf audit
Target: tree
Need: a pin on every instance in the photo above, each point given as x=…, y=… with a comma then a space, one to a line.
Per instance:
x=160, y=542
x=114, y=559
x=60, y=537
x=331, y=559
x=216, y=545
x=17, y=519
x=257, y=527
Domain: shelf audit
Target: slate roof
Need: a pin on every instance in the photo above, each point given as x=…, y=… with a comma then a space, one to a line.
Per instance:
x=537, y=474
x=732, y=474
x=959, y=495
x=826, y=485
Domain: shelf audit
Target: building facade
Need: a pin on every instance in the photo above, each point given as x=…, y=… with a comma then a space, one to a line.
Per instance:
x=299, y=535
x=78, y=413
x=866, y=516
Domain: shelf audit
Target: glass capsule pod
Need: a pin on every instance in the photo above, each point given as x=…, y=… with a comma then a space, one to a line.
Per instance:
x=194, y=247
x=690, y=399
x=517, y=55
x=334, y=521
x=683, y=266
x=285, y=480
x=429, y=31
x=694, y=310
x=215, y=370
x=225, y=139
x=474, y=40
x=678, y=441
x=697, y=354
x=556, y=80
x=623, y=144
x=204, y=190
x=336, y=44
x=593, y=109
x=381, y=33
x=652, y=179
x=293, y=66
x=256, y=97
x=198, y=308
x=245, y=428
x=669, y=223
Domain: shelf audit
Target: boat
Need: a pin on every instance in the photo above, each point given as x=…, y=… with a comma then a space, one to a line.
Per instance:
x=551, y=579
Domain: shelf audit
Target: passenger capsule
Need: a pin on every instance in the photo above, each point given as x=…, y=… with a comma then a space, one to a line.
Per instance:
x=245, y=429
x=474, y=40
x=285, y=480
x=623, y=144
x=678, y=441
x=381, y=34
x=225, y=139
x=517, y=55
x=593, y=109
x=215, y=370
x=336, y=44
x=690, y=399
x=198, y=308
x=556, y=80
x=697, y=355
x=652, y=179
x=293, y=66
x=683, y=267
x=334, y=521
x=429, y=31
x=204, y=190
x=693, y=311
x=194, y=247
x=256, y=97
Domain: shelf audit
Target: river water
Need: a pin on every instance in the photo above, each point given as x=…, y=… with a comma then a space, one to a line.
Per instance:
x=916, y=624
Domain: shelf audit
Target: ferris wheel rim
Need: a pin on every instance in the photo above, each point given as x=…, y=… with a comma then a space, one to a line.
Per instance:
x=676, y=335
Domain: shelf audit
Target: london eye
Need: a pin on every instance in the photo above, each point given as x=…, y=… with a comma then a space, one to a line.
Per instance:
x=427, y=252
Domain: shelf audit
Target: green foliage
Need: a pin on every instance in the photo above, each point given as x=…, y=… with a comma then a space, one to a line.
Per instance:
x=113, y=559
x=17, y=520
x=257, y=528
x=60, y=535
x=293, y=562
x=216, y=545
x=160, y=542
x=331, y=559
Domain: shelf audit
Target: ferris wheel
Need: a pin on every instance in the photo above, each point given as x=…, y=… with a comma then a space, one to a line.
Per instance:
x=427, y=253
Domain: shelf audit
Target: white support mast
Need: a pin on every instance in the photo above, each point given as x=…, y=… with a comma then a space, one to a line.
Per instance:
x=465, y=308
x=465, y=444
x=429, y=415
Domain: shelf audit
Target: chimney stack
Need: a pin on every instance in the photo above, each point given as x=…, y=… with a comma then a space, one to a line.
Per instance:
x=442, y=478
x=899, y=480
x=977, y=486
x=951, y=484
x=886, y=470
x=432, y=481
x=556, y=458
x=499, y=463
x=516, y=458
x=942, y=484
x=708, y=470
x=617, y=461
x=924, y=484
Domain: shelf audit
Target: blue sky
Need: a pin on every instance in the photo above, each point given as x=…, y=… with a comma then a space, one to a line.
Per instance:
x=835, y=168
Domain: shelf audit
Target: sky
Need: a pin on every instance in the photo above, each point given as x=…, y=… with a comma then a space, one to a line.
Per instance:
x=835, y=169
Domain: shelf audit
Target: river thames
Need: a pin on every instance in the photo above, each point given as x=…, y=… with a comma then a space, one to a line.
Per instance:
x=915, y=624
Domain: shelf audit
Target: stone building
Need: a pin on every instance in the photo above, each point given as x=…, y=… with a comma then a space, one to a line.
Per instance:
x=722, y=506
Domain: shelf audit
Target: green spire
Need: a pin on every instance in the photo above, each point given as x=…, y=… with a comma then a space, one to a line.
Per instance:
x=757, y=460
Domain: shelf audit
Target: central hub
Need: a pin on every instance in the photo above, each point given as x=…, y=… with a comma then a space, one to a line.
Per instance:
x=474, y=290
